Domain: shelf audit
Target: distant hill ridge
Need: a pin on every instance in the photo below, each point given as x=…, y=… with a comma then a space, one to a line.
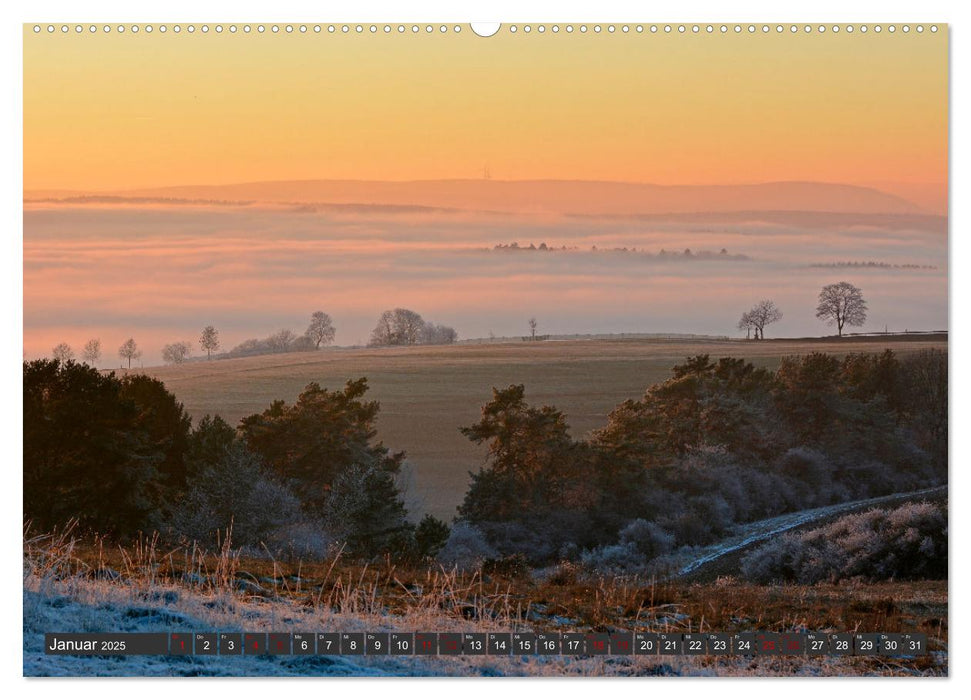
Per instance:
x=541, y=196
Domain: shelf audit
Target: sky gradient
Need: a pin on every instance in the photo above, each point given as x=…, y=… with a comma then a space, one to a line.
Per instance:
x=112, y=111
x=323, y=117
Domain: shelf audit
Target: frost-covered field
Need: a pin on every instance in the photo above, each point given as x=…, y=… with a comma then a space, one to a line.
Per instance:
x=80, y=605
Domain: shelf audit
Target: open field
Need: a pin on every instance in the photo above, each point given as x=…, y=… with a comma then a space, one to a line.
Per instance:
x=428, y=393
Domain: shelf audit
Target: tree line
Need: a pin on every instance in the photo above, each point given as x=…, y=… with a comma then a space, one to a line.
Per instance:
x=395, y=327
x=840, y=304
x=662, y=254
x=320, y=332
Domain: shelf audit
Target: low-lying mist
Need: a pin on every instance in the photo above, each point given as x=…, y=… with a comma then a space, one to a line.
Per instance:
x=160, y=273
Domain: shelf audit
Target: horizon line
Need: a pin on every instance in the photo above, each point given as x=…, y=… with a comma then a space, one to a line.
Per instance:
x=237, y=183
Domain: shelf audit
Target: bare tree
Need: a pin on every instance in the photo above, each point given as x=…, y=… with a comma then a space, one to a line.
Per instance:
x=760, y=315
x=62, y=352
x=532, y=327
x=209, y=340
x=177, y=353
x=281, y=340
x=383, y=333
x=321, y=329
x=841, y=303
x=92, y=351
x=745, y=324
x=398, y=327
x=408, y=326
x=129, y=351
x=437, y=334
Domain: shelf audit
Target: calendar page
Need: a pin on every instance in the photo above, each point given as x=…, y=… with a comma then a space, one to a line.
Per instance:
x=543, y=349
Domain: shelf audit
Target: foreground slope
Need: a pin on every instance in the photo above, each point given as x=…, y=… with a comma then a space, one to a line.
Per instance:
x=428, y=393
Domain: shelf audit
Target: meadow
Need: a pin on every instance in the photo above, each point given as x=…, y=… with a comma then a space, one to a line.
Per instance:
x=428, y=393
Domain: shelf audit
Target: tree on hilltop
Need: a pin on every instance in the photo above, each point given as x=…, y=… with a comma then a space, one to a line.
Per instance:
x=177, y=353
x=321, y=330
x=841, y=304
x=62, y=352
x=92, y=351
x=758, y=317
x=129, y=351
x=209, y=340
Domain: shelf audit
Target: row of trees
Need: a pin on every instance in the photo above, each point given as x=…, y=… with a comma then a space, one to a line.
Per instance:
x=173, y=353
x=91, y=352
x=840, y=304
x=395, y=327
x=320, y=332
x=687, y=254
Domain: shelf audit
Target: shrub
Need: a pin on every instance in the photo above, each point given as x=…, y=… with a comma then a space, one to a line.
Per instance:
x=280, y=342
x=538, y=541
x=649, y=539
x=466, y=547
x=430, y=536
x=781, y=558
x=768, y=494
x=566, y=573
x=924, y=402
x=613, y=558
x=513, y=566
x=304, y=539
x=236, y=491
x=569, y=551
x=908, y=542
x=365, y=511
x=208, y=444
x=313, y=441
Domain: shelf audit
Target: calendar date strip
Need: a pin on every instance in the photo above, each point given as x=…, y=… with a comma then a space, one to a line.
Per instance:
x=484, y=644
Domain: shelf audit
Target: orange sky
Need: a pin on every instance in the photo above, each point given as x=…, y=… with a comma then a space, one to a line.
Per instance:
x=106, y=112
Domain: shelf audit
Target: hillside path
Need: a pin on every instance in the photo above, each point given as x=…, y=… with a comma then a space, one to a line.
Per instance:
x=753, y=533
